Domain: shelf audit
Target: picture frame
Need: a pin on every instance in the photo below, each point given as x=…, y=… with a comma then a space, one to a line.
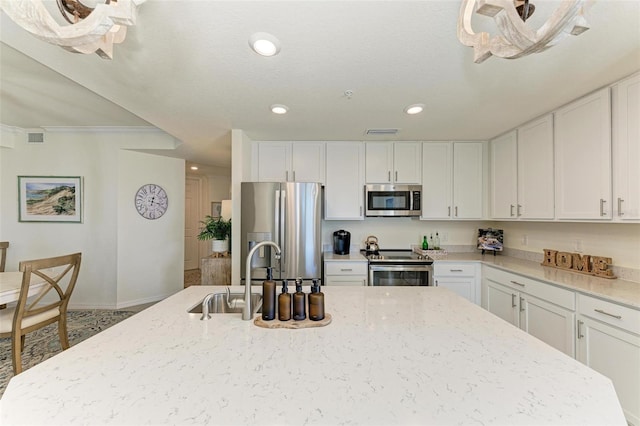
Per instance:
x=50, y=199
x=216, y=209
x=490, y=239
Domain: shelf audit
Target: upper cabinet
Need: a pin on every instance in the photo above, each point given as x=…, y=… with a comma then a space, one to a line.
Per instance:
x=626, y=149
x=393, y=162
x=583, y=158
x=522, y=172
x=452, y=186
x=344, y=189
x=291, y=162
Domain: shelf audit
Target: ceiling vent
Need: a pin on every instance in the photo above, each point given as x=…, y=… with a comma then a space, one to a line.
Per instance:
x=35, y=136
x=382, y=132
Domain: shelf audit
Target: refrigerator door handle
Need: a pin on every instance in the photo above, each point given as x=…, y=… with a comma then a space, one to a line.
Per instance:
x=276, y=225
x=281, y=236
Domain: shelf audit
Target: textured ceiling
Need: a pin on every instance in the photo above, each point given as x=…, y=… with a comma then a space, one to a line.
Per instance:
x=187, y=69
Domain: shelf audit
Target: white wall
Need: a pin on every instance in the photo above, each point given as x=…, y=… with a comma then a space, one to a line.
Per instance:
x=96, y=157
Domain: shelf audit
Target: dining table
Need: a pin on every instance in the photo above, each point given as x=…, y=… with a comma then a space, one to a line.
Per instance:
x=10, y=283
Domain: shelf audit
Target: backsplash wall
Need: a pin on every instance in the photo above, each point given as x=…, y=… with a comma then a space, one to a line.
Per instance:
x=618, y=241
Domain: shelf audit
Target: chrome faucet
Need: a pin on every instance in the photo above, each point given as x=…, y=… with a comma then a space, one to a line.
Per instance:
x=247, y=313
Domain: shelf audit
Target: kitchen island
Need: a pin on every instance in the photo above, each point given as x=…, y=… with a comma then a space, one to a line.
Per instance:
x=392, y=355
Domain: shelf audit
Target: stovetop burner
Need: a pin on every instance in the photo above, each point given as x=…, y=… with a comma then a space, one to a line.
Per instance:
x=397, y=256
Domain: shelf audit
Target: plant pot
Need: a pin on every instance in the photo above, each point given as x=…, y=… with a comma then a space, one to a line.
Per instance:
x=220, y=246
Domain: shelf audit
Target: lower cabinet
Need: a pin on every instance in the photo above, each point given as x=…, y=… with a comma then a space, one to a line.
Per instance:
x=542, y=310
x=343, y=272
x=608, y=341
x=461, y=278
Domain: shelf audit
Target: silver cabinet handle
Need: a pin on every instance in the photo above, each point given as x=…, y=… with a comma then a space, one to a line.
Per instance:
x=294, y=175
x=449, y=211
x=602, y=212
x=396, y=175
x=455, y=270
x=519, y=213
x=600, y=311
x=517, y=283
x=286, y=176
x=620, y=201
x=456, y=210
x=513, y=300
x=389, y=176
x=346, y=269
x=522, y=304
x=511, y=210
x=579, y=329
x=360, y=210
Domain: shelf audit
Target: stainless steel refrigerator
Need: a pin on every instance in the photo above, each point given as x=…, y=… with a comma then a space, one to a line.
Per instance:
x=289, y=214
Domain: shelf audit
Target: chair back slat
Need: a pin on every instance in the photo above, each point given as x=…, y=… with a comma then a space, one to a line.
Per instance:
x=3, y=254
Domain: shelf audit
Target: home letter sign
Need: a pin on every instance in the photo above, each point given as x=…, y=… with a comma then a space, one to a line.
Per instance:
x=584, y=264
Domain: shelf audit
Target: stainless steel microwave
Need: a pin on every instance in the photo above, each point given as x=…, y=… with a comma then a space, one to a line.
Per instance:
x=393, y=200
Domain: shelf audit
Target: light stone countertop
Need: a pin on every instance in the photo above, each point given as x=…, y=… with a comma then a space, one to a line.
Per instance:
x=616, y=290
x=352, y=256
x=392, y=355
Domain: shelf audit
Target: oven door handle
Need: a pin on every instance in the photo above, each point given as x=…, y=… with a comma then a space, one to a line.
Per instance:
x=410, y=268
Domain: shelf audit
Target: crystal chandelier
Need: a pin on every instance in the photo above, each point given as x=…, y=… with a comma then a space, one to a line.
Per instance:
x=91, y=30
x=516, y=38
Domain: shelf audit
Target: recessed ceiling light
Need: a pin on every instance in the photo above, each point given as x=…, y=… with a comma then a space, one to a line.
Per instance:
x=194, y=167
x=264, y=44
x=279, y=109
x=414, y=109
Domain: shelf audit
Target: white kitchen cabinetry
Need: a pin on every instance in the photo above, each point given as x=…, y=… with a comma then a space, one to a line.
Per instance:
x=626, y=149
x=609, y=342
x=345, y=272
x=344, y=188
x=528, y=155
x=393, y=162
x=452, y=186
x=291, y=162
x=462, y=278
x=583, y=158
x=542, y=310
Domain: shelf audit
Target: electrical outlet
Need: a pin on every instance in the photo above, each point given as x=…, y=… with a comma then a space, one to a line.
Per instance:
x=444, y=237
x=525, y=240
x=578, y=246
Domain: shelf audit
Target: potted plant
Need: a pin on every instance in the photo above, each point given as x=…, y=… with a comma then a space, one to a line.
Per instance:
x=218, y=230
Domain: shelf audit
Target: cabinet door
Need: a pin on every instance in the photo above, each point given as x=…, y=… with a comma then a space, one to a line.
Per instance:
x=626, y=149
x=274, y=161
x=583, y=158
x=616, y=354
x=467, y=180
x=307, y=162
x=344, y=189
x=535, y=169
x=504, y=172
x=436, y=180
x=550, y=323
x=345, y=280
x=379, y=162
x=464, y=287
x=406, y=162
x=503, y=302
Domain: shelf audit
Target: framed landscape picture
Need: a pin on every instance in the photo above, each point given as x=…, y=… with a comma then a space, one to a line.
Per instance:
x=50, y=199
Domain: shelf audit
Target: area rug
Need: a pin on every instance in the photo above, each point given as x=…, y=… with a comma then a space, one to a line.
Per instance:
x=44, y=343
x=192, y=277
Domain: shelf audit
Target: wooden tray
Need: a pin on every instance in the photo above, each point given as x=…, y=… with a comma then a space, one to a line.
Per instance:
x=307, y=323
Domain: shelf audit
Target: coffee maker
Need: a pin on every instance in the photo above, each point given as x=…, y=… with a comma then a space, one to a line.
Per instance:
x=341, y=242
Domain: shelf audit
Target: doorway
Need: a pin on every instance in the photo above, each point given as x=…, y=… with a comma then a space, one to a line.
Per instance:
x=192, y=216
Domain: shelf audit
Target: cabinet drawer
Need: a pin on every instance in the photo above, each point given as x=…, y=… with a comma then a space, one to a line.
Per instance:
x=539, y=289
x=345, y=268
x=447, y=269
x=345, y=280
x=611, y=313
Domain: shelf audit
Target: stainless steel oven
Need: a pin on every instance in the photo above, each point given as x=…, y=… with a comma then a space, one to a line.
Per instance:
x=400, y=268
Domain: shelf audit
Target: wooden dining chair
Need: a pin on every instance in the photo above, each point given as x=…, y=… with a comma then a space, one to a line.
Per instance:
x=60, y=273
x=3, y=254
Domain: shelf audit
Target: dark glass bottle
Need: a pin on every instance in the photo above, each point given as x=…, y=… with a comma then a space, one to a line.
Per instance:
x=269, y=297
x=316, y=302
x=284, y=303
x=299, y=302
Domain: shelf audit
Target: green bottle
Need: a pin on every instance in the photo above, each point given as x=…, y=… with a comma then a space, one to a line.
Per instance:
x=425, y=244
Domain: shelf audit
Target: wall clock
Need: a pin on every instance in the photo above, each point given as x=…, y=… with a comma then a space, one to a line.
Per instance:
x=151, y=201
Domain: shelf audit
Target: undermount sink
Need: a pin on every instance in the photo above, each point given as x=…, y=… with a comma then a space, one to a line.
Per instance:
x=218, y=304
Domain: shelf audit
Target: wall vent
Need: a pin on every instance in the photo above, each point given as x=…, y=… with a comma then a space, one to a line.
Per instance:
x=35, y=137
x=382, y=131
